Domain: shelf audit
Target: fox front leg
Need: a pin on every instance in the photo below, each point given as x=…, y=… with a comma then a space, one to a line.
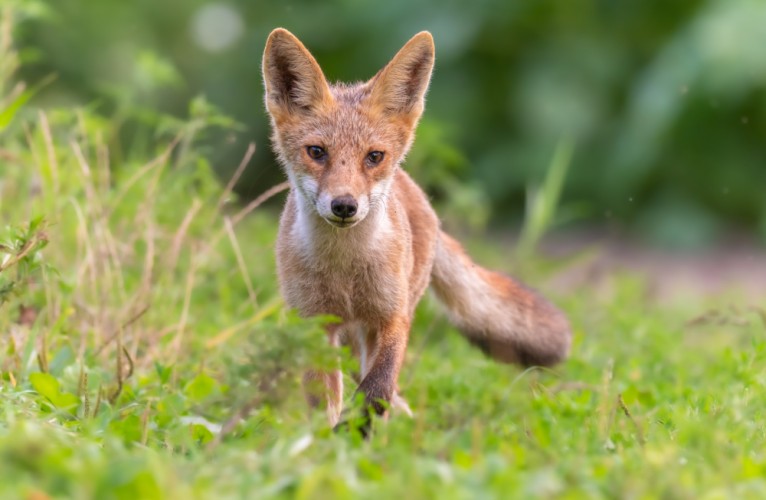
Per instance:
x=386, y=348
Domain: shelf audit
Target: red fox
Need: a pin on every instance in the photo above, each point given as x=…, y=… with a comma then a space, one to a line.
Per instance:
x=358, y=238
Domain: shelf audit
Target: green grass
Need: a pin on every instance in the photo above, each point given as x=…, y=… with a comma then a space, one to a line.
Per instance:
x=144, y=353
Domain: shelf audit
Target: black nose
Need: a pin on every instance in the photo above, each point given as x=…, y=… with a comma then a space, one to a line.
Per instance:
x=344, y=206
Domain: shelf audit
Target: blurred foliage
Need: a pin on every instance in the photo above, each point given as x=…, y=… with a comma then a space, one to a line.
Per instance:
x=664, y=101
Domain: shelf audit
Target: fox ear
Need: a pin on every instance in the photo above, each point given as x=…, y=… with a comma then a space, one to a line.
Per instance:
x=292, y=78
x=400, y=87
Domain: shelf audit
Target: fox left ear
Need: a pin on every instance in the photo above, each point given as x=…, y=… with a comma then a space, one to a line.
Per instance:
x=400, y=87
x=294, y=81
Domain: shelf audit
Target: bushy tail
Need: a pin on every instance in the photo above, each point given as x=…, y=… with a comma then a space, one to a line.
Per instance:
x=502, y=317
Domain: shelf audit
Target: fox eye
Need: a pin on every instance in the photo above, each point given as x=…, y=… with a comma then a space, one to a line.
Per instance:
x=316, y=152
x=374, y=158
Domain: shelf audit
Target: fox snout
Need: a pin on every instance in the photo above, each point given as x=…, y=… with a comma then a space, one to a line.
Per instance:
x=344, y=206
x=344, y=210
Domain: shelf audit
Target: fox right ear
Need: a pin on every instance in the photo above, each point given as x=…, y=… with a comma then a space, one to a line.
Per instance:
x=400, y=87
x=292, y=78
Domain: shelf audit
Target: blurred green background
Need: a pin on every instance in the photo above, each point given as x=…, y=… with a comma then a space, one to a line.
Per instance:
x=664, y=101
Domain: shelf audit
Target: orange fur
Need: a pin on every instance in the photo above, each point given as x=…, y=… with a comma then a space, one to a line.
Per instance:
x=358, y=238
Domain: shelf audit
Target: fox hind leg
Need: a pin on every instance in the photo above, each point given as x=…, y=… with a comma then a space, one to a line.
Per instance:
x=327, y=385
x=318, y=383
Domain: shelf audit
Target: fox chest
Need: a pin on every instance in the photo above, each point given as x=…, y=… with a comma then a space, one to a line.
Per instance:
x=353, y=287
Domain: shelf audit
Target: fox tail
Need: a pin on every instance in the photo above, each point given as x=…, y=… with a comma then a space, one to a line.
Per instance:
x=497, y=314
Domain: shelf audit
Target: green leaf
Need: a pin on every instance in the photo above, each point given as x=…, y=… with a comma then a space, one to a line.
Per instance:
x=543, y=202
x=129, y=428
x=45, y=384
x=164, y=372
x=201, y=434
x=63, y=358
x=7, y=114
x=66, y=401
x=201, y=387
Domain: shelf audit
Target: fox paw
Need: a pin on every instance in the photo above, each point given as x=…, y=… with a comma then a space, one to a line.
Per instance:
x=361, y=424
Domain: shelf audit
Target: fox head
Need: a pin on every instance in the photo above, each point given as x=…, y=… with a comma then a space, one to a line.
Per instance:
x=341, y=144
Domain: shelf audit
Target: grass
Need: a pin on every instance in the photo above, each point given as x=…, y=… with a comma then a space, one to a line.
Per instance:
x=145, y=353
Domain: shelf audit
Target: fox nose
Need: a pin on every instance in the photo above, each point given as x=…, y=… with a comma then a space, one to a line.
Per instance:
x=344, y=206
